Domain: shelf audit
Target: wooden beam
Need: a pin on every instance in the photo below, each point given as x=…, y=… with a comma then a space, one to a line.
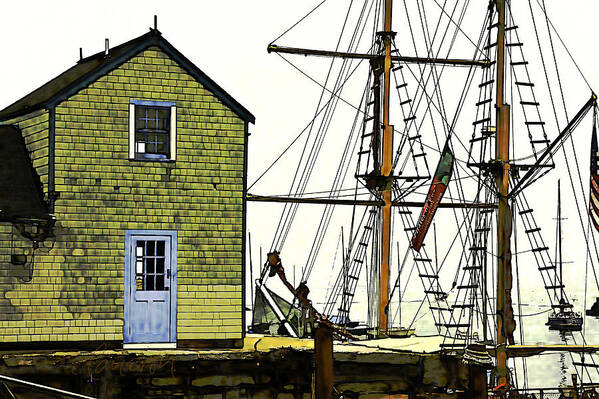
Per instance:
x=324, y=201
x=273, y=48
x=386, y=171
x=554, y=146
x=42, y=388
x=335, y=201
x=533, y=350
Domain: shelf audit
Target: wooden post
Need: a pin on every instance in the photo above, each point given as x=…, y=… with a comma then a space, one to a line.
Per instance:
x=323, y=362
x=502, y=182
x=386, y=170
x=477, y=383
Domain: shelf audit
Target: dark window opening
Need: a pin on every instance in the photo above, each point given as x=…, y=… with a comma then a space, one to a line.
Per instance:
x=150, y=258
x=152, y=132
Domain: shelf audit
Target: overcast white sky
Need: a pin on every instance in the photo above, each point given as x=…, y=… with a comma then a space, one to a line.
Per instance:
x=227, y=40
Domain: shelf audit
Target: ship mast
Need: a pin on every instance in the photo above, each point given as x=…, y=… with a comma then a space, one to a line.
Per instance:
x=504, y=212
x=559, y=240
x=381, y=179
x=386, y=168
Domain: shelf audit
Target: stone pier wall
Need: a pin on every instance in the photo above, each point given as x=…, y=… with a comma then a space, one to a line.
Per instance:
x=282, y=373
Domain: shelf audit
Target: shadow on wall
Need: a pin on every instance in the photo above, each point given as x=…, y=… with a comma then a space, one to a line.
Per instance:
x=16, y=261
x=90, y=279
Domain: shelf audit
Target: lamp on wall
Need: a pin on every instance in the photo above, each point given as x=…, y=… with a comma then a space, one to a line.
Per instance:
x=36, y=231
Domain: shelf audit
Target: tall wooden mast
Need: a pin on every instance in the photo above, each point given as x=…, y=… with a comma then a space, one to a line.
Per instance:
x=504, y=212
x=381, y=178
x=386, y=169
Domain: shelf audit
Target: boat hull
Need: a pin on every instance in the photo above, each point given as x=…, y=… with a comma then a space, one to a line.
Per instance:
x=564, y=324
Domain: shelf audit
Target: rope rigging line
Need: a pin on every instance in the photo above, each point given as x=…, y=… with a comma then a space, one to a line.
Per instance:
x=566, y=158
x=439, y=94
x=460, y=188
x=457, y=24
x=521, y=96
x=586, y=276
x=298, y=22
x=289, y=146
x=312, y=121
x=339, y=178
x=307, y=172
x=333, y=263
x=327, y=214
x=517, y=275
x=334, y=293
x=290, y=211
x=419, y=95
x=473, y=276
x=563, y=44
x=430, y=49
x=429, y=97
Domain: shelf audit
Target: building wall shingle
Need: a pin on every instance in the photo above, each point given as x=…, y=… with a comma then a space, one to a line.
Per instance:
x=78, y=286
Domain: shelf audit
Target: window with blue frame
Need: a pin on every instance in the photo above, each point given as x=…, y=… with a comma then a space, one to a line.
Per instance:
x=152, y=126
x=150, y=271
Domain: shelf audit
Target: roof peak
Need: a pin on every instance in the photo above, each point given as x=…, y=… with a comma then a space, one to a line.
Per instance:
x=90, y=68
x=152, y=33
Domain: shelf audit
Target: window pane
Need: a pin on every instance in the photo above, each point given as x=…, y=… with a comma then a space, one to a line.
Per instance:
x=152, y=118
x=152, y=131
x=139, y=283
x=140, y=147
x=149, y=283
x=139, y=266
x=160, y=248
x=150, y=248
x=160, y=265
x=140, y=117
x=163, y=118
x=150, y=265
x=161, y=148
x=160, y=283
x=139, y=251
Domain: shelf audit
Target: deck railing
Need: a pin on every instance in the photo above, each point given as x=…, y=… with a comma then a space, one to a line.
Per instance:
x=584, y=392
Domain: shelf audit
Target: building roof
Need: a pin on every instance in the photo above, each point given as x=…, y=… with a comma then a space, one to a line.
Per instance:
x=93, y=67
x=22, y=196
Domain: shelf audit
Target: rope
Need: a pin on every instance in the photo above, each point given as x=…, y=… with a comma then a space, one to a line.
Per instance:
x=298, y=22
x=565, y=47
x=460, y=29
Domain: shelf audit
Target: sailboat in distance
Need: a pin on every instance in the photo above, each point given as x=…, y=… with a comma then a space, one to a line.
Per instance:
x=475, y=109
x=563, y=318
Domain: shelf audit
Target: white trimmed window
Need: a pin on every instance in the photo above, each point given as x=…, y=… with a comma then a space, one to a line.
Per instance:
x=152, y=130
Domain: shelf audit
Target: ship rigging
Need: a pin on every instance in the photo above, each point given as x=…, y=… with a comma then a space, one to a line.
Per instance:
x=393, y=167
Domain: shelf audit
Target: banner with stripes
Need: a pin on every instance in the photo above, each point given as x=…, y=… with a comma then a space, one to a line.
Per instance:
x=594, y=192
x=435, y=193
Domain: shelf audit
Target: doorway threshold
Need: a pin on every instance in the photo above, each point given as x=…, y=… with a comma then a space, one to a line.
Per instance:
x=151, y=345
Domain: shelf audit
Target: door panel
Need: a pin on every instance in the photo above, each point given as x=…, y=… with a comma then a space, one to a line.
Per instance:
x=150, y=304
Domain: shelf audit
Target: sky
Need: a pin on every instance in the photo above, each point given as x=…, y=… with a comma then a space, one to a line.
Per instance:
x=227, y=40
